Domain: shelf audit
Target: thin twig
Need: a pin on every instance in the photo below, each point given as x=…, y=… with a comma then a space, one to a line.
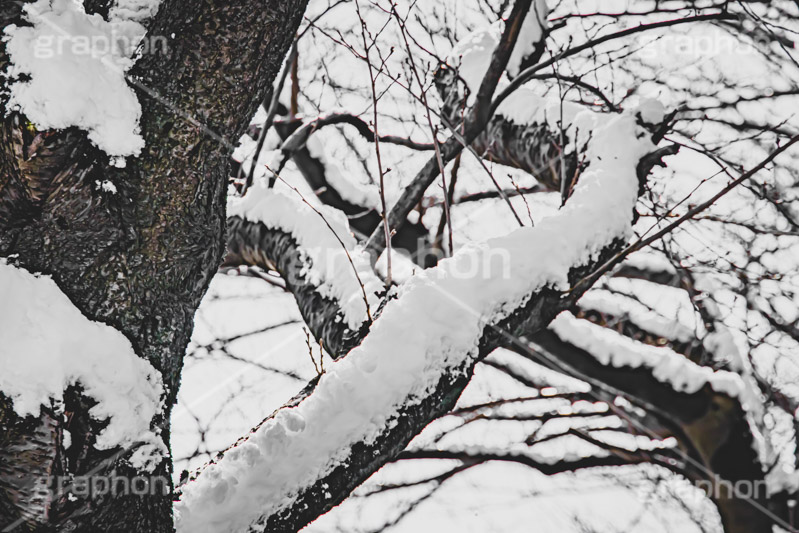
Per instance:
x=526, y=74
x=381, y=172
x=433, y=132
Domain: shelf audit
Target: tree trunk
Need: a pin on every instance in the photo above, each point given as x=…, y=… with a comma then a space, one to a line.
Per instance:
x=139, y=259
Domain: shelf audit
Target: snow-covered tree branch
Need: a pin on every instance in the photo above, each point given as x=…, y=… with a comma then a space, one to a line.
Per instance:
x=350, y=265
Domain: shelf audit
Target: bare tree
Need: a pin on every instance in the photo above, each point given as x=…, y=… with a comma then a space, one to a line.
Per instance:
x=504, y=98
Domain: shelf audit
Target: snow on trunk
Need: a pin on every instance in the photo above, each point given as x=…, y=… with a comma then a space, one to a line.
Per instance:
x=69, y=69
x=47, y=345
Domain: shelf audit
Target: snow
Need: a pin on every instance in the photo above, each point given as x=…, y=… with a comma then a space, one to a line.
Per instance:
x=530, y=34
x=782, y=480
x=267, y=158
x=471, y=56
x=645, y=260
x=667, y=366
x=69, y=70
x=271, y=155
x=639, y=314
x=48, y=345
x=652, y=111
x=358, y=194
x=722, y=344
x=106, y=186
x=136, y=10
x=440, y=315
x=330, y=267
x=402, y=266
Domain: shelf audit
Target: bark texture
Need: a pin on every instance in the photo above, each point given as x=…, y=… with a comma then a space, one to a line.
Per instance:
x=140, y=259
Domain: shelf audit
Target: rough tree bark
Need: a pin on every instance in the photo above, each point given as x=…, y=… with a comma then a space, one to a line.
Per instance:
x=139, y=260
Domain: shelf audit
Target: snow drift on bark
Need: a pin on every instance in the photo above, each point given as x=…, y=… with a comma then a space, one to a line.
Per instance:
x=47, y=345
x=431, y=330
x=75, y=65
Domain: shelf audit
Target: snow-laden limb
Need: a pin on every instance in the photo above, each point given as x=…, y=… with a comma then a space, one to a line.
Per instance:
x=441, y=316
x=718, y=339
x=649, y=261
x=471, y=59
x=333, y=188
x=271, y=158
x=639, y=314
x=69, y=70
x=648, y=266
x=253, y=244
x=48, y=345
x=335, y=264
x=666, y=366
x=471, y=125
x=527, y=131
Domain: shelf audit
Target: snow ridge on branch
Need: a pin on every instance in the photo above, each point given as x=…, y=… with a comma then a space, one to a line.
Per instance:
x=446, y=313
x=341, y=274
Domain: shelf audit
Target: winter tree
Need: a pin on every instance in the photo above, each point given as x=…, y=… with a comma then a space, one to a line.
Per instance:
x=543, y=245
